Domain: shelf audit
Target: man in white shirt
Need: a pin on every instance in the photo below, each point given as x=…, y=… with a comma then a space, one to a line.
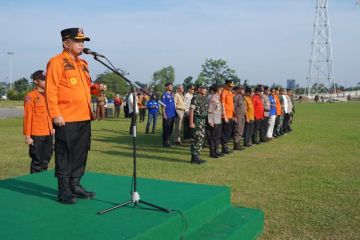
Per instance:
x=188, y=96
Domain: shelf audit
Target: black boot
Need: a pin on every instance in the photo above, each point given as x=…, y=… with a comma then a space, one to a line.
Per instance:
x=219, y=153
x=213, y=153
x=196, y=159
x=238, y=146
x=225, y=149
x=79, y=191
x=64, y=193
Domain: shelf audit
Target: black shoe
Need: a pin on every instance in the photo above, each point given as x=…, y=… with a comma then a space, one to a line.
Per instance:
x=147, y=131
x=79, y=191
x=247, y=145
x=196, y=159
x=219, y=154
x=238, y=146
x=153, y=131
x=178, y=143
x=166, y=145
x=64, y=193
x=213, y=154
x=225, y=149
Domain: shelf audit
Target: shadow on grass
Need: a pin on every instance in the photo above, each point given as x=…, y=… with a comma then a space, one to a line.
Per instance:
x=146, y=143
x=37, y=190
x=29, y=188
x=142, y=156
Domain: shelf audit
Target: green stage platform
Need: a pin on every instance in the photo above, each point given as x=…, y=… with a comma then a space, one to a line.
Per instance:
x=30, y=211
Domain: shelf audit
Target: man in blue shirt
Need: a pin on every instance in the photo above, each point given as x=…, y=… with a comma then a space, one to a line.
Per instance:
x=168, y=113
x=153, y=108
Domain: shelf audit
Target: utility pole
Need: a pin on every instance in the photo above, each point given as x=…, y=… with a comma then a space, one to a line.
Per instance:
x=11, y=54
x=321, y=73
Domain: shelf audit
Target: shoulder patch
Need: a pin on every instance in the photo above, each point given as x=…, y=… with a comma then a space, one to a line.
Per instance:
x=27, y=99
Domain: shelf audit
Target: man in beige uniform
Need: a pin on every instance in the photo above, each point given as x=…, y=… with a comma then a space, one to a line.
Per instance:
x=180, y=110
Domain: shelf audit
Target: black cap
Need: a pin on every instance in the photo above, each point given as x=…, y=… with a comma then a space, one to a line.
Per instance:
x=230, y=83
x=38, y=75
x=236, y=88
x=168, y=83
x=74, y=33
x=249, y=90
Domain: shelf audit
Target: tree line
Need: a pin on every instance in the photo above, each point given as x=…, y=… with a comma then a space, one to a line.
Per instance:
x=213, y=71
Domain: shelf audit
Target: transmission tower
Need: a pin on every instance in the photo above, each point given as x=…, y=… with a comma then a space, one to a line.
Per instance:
x=321, y=73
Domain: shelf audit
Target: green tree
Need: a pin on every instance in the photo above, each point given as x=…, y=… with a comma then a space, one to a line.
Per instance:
x=201, y=80
x=2, y=90
x=22, y=85
x=188, y=81
x=15, y=95
x=115, y=84
x=216, y=72
x=161, y=77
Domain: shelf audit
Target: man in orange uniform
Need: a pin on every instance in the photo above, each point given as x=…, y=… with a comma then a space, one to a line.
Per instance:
x=227, y=100
x=249, y=117
x=278, y=113
x=68, y=98
x=37, y=127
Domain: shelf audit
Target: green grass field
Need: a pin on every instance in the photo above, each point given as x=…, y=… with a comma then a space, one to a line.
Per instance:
x=11, y=104
x=307, y=182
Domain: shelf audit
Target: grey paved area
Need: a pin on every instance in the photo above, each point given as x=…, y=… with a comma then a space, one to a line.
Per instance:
x=11, y=112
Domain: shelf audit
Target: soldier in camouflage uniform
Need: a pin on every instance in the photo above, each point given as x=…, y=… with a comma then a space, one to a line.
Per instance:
x=197, y=121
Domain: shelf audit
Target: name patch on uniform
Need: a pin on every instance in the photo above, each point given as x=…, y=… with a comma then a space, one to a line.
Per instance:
x=67, y=65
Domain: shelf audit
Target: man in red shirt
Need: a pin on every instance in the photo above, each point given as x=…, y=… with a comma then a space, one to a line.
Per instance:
x=258, y=114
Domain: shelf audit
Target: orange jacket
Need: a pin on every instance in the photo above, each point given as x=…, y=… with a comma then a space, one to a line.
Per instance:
x=278, y=105
x=68, y=84
x=36, y=118
x=227, y=99
x=250, y=115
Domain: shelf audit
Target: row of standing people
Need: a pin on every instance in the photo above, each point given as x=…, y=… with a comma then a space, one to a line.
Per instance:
x=248, y=116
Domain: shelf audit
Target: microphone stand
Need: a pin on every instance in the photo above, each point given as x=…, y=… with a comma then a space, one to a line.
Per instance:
x=135, y=197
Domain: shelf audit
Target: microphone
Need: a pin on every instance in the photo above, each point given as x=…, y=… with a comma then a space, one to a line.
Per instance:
x=95, y=54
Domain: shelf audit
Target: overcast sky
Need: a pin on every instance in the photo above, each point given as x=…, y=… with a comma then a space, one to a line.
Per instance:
x=265, y=41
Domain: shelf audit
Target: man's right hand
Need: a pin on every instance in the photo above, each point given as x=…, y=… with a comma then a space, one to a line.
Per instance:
x=58, y=121
x=29, y=140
